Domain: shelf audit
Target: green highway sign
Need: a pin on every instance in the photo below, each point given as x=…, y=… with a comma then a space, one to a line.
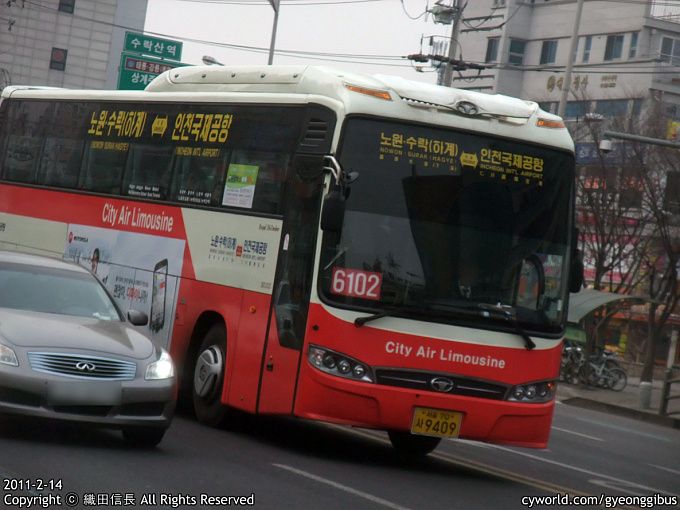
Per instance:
x=153, y=46
x=137, y=71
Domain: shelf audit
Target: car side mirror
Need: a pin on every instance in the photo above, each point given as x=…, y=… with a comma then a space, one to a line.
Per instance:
x=137, y=318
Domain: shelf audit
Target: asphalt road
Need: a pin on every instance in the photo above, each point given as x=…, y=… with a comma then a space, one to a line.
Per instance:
x=285, y=463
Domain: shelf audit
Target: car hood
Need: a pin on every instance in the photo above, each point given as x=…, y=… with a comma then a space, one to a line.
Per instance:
x=48, y=331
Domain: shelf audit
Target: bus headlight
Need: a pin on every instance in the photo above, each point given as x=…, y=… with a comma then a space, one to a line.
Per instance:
x=338, y=364
x=533, y=393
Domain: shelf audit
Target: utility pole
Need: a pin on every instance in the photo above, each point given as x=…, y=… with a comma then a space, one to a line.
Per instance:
x=453, y=43
x=275, y=5
x=566, y=85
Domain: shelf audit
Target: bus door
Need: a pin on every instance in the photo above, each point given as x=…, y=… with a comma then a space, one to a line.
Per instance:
x=292, y=287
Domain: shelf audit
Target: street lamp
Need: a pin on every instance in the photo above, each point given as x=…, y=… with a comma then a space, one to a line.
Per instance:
x=211, y=61
x=275, y=5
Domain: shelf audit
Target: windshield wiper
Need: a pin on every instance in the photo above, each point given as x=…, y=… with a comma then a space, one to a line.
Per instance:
x=387, y=312
x=505, y=312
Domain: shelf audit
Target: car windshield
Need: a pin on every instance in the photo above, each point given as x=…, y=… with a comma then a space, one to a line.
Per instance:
x=51, y=290
x=451, y=226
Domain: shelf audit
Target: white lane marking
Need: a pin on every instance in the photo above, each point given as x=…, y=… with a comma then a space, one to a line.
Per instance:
x=578, y=434
x=622, y=429
x=585, y=471
x=345, y=488
x=674, y=471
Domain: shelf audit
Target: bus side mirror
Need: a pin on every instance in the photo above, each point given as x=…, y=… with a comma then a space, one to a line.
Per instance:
x=333, y=212
x=308, y=166
x=576, y=273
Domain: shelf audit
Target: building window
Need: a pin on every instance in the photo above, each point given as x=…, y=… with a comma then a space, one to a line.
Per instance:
x=492, y=49
x=614, y=47
x=632, y=51
x=576, y=109
x=612, y=107
x=58, y=59
x=587, y=44
x=548, y=52
x=670, y=50
x=67, y=5
x=516, y=52
x=550, y=107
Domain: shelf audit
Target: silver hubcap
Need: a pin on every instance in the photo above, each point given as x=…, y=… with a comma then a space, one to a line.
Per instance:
x=209, y=366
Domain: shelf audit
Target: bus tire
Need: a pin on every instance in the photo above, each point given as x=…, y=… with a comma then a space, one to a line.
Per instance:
x=208, y=377
x=410, y=446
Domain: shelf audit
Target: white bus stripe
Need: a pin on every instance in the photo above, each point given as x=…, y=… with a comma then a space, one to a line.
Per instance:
x=345, y=488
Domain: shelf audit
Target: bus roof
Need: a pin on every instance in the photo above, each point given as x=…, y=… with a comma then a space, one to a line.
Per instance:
x=348, y=93
x=382, y=95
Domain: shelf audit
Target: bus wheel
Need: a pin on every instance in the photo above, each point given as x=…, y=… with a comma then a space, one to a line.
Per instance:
x=209, y=369
x=410, y=446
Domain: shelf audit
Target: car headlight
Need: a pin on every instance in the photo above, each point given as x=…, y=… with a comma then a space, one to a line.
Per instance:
x=8, y=356
x=533, y=393
x=161, y=369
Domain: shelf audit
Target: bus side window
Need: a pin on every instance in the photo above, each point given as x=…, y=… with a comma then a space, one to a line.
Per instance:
x=270, y=168
x=198, y=179
x=103, y=168
x=148, y=172
x=21, y=158
x=27, y=122
x=60, y=162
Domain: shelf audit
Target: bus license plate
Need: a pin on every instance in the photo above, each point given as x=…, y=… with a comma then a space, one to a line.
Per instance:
x=435, y=422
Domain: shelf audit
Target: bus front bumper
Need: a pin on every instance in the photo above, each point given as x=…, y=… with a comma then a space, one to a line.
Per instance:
x=337, y=400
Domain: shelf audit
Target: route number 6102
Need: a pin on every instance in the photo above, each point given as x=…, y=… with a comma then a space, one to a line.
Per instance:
x=356, y=283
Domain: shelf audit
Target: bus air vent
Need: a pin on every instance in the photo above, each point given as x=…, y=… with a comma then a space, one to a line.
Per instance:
x=315, y=136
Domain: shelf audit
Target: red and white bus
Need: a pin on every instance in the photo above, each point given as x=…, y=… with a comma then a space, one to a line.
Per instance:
x=360, y=250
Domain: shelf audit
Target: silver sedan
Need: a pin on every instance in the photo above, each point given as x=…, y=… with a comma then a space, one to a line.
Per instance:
x=67, y=352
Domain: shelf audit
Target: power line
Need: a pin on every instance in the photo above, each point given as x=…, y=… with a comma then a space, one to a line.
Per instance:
x=403, y=6
x=326, y=56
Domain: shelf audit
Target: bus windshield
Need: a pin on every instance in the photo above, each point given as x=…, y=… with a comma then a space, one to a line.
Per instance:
x=451, y=226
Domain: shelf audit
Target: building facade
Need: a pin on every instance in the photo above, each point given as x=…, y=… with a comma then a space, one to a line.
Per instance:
x=65, y=43
x=625, y=52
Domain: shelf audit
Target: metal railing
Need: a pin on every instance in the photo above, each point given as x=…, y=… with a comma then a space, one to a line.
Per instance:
x=666, y=396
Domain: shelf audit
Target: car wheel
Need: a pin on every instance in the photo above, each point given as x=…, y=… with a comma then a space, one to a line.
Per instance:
x=410, y=446
x=209, y=367
x=144, y=437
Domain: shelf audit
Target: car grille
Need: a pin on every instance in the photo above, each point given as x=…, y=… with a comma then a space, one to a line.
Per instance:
x=423, y=381
x=82, y=366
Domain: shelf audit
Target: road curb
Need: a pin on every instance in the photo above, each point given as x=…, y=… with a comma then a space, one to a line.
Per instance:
x=636, y=414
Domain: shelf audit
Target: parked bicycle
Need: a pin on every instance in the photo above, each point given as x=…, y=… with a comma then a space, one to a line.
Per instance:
x=602, y=370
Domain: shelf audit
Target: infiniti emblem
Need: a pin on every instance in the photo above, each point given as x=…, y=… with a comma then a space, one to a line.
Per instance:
x=85, y=366
x=441, y=384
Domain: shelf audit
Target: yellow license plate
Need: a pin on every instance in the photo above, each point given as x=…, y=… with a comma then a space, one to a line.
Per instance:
x=435, y=422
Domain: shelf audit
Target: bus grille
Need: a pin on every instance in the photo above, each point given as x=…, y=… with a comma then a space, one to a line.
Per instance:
x=82, y=366
x=453, y=385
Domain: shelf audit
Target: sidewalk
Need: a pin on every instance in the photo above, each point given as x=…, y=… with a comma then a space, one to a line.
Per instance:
x=623, y=403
